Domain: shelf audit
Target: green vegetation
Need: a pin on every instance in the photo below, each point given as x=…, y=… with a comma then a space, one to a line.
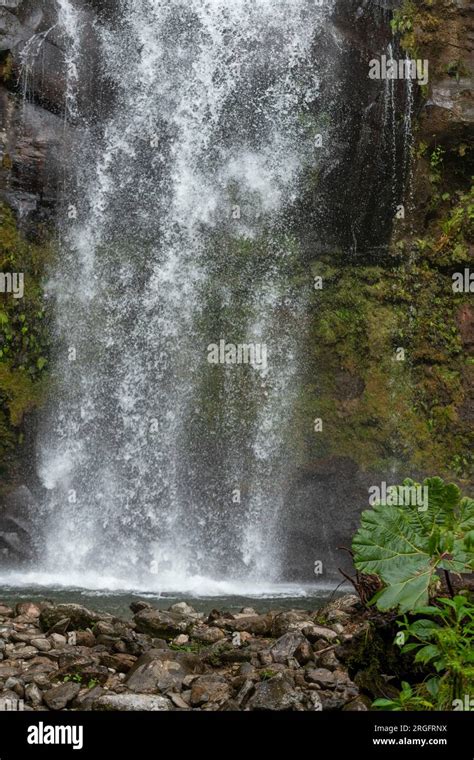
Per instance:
x=23, y=337
x=407, y=545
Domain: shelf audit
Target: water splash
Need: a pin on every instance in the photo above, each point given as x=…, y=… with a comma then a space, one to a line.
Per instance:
x=160, y=467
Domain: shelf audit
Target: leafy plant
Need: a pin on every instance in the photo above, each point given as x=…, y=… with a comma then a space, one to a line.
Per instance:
x=407, y=545
x=76, y=677
x=444, y=640
x=407, y=700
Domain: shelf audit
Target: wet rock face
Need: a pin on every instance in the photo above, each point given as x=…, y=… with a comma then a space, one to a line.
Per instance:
x=352, y=205
x=35, y=140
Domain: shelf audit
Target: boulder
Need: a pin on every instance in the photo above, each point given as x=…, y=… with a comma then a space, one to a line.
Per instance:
x=286, y=646
x=317, y=632
x=121, y=663
x=277, y=694
x=59, y=696
x=132, y=703
x=207, y=634
x=286, y=622
x=33, y=694
x=79, y=617
x=159, y=670
x=161, y=624
x=42, y=644
x=324, y=678
x=212, y=688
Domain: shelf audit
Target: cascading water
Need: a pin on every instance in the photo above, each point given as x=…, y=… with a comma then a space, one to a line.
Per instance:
x=163, y=469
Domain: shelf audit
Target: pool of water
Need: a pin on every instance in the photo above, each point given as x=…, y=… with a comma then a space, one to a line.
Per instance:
x=117, y=602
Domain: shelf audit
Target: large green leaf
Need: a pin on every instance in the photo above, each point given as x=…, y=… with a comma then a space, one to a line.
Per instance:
x=406, y=545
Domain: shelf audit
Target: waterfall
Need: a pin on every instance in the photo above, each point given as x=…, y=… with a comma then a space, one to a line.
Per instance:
x=162, y=469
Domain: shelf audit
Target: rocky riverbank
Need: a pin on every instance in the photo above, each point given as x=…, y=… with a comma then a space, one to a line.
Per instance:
x=66, y=657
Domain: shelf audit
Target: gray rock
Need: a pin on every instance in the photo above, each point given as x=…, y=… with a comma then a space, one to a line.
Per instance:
x=23, y=652
x=58, y=640
x=42, y=644
x=207, y=634
x=132, y=703
x=212, y=688
x=161, y=624
x=16, y=685
x=159, y=670
x=29, y=609
x=277, y=695
x=79, y=617
x=59, y=696
x=178, y=701
x=286, y=646
x=316, y=632
x=33, y=694
x=184, y=609
x=287, y=622
x=87, y=697
x=324, y=678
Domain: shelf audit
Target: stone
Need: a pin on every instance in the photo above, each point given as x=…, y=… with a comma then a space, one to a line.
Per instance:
x=132, y=703
x=16, y=685
x=245, y=691
x=79, y=617
x=212, y=688
x=178, y=701
x=286, y=646
x=61, y=626
x=327, y=660
x=184, y=609
x=139, y=606
x=165, y=625
x=58, y=640
x=119, y=662
x=304, y=653
x=257, y=625
x=360, y=704
x=286, y=622
x=28, y=609
x=207, y=634
x=276, y=695
x=6, y=611
x=324, y=678
x=313, y=701
x=181, y=640
x=316, y=632
x=33, y=694
x=59, y=696
x=162, y=671
x=86, y=697
x=42, y=644
x=85, y=639
x=23, y=653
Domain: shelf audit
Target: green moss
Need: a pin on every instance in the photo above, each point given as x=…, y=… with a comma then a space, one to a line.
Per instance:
x=23, y=338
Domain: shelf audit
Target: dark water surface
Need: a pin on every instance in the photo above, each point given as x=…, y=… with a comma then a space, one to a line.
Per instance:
x=118, y=602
